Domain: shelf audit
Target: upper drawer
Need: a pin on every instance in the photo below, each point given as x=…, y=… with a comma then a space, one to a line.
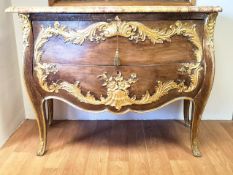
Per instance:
x=138, y=42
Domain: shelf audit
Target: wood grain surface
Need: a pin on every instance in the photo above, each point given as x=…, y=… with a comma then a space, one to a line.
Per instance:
x=85, y=63
x=151, y=62
x=148, y=77
x=119, y=148
x=131, y=53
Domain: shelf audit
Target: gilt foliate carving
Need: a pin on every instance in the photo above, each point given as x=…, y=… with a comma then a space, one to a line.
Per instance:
x=43, y=71
x=117, y=86
x=26, y=27
x=117, y=90
x=135, y=31
x=118, y=82
x=210, y=28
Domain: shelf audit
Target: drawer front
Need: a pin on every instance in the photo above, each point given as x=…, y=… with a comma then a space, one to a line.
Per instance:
x=135, y=42
x=77, y=60
x=119, y=88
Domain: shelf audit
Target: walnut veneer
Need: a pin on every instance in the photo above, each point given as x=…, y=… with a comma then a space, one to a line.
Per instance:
x=119, y=59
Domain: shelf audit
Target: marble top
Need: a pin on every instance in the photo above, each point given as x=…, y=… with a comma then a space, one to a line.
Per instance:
x=114, y=9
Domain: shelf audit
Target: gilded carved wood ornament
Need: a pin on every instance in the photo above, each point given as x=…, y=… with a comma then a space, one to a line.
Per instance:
x=117, y=86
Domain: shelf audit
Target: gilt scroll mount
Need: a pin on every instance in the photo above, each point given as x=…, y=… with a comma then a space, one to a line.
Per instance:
x=116, y=85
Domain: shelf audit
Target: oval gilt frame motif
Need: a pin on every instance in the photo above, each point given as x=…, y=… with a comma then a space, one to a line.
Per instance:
x=118, y=95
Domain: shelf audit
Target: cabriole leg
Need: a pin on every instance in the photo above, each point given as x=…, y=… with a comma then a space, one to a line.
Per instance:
x=42, y=126
x=200, y=100
x=39, y=106
x=187, y=112
x=198, y=108
x=35, y=96
x=50, y=111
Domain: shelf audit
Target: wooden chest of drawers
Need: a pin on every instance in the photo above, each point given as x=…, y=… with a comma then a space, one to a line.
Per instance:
x=119, y=58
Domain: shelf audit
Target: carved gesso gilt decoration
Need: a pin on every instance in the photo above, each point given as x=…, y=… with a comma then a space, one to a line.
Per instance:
x=117, y=86
x=209, y=29
x=26, y=27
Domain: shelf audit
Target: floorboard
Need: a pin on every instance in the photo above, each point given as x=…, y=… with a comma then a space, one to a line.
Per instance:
x=119, y=148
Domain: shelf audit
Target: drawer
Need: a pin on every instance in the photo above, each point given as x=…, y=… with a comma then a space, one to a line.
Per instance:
x=159, y=60
x=121, y=87
x=139, y=42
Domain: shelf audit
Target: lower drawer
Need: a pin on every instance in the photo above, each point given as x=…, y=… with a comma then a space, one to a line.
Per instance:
x=119, y=88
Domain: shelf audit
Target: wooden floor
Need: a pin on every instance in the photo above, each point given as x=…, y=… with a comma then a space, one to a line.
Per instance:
x=119, y=148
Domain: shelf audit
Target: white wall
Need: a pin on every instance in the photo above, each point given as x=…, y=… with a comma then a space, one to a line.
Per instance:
x=11, y=103
x=220, y=105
